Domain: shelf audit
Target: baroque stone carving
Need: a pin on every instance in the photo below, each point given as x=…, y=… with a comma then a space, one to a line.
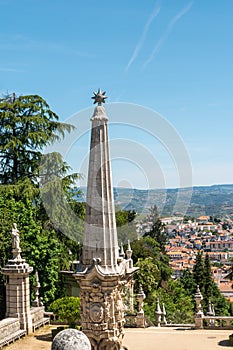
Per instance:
x=96, y=312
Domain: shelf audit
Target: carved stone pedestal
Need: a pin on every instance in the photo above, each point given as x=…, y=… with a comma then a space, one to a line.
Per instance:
x=102, y=308
x=18, y=292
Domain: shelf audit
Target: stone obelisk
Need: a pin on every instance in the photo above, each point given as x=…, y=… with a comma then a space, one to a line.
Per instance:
x=100, y=238
x=102, y=272
x=17, y=285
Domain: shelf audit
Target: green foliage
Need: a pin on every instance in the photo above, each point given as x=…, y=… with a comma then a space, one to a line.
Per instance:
x=148, y=275
x=211, y=291
x=150, y=256
x=165, y=269
x=79, y=208
x=178, y=303
x=40, y=247
x=44, y=214
x=202, y=276
x=27, y=125
x=126, y=228
x=207, y=283
x=121, y=216
x=68, y=309
x=188, y=282
x=145, y=247
x=154, y=265
x=198, y=270
x=187, y=218
x=126, y=232
x=57, y=190
x=156, y=228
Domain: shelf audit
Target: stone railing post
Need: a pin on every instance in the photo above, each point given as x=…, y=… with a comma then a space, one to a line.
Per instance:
x=158, y=314
x=163, y=321
x=211, y=313
x=140, y=318
x=37, y=301
x=199, y=314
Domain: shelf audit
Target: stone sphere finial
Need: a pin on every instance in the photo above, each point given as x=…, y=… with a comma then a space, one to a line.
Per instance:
x=71, y=339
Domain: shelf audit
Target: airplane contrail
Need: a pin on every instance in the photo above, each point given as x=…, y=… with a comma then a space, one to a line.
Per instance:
x=143, y=36
x=167, y=32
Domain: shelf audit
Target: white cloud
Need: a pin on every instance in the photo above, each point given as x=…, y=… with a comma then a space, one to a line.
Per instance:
x=11, y=70
x=166, y=33
x=18, y=42
x=140, y=43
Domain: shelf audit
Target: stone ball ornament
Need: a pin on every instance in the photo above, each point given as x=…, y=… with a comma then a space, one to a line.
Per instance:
x=71, y=339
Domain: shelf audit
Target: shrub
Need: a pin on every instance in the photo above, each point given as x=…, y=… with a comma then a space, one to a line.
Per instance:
x=67, y=309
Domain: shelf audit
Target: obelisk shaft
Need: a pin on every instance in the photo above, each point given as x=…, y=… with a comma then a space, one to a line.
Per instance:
x=100, y=235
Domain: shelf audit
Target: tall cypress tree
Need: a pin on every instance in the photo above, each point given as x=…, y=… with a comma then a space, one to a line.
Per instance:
x=208, y=283
x=210, y=291
x=198, y=270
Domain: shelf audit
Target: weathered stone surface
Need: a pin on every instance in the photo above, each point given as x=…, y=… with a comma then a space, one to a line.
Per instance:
x=71, y=339
x=37, y=313
x=100, y=236
x=8, y=326
x=16, y=272
x=103, y=273
x=10, y=331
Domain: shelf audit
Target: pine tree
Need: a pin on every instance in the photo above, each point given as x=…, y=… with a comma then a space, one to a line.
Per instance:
x=57, y=192
x=27, y=126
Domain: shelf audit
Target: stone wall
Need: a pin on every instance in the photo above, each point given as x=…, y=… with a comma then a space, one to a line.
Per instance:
x=10, y=331
x=8, y=326
x=37, y=313
x=2, y=300
x=37, y=316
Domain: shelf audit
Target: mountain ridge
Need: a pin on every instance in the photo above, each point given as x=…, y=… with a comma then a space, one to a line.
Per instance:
x=214, y=200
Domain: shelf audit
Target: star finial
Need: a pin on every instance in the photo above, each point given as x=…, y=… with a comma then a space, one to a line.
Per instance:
x=99, y=97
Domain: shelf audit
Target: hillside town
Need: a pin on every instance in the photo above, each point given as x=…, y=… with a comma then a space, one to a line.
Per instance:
x=211, y=237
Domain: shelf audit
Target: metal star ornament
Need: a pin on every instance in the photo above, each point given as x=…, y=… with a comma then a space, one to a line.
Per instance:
x=99, y=97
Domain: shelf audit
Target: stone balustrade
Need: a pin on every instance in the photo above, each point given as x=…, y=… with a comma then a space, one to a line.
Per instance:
x=217, y=322
x=53, y=318
x=10, y=331
x=130, y=321
x=38, y=317
x=211, y=321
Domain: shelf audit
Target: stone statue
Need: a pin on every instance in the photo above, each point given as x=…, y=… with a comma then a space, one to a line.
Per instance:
x=15, y=237
x=15, y=243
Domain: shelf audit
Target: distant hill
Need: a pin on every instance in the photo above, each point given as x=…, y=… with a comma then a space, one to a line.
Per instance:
x=216, y=200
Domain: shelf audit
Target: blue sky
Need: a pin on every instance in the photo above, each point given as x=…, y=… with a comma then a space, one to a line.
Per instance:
x=170, y=56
